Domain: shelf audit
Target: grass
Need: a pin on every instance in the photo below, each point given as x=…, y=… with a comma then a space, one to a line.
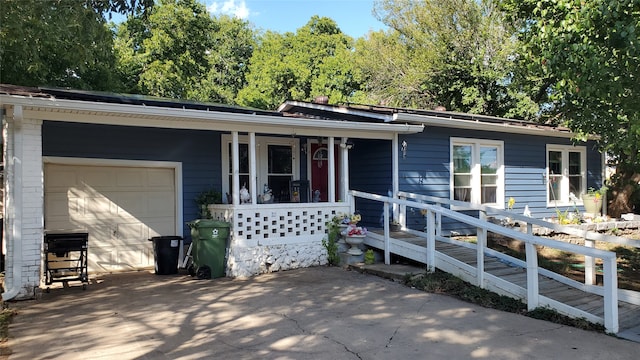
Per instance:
x=443, y=283
x=5, y=319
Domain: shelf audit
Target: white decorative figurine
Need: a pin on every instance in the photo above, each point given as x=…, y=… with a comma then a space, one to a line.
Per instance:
x=245, y=197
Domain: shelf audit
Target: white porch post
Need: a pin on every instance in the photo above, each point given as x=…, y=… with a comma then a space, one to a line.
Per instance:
x=235, y=156
x=394, y=173
x=344, y=174
x=253, y=173
x=332, y=171
x=23, y=211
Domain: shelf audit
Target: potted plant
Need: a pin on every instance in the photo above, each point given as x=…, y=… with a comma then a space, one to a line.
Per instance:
x=592, y=200
x=354, y=234
x=204, y=199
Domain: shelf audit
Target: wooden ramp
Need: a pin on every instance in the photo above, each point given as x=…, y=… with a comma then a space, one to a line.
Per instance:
x=507, y=276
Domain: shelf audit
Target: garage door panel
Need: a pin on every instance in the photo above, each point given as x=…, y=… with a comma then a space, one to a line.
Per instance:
x=60, y=178
x=160, y=228
x=131, y=177
x=132, y=204
x=132, y=233
x=98, y=178
x=160, y=178
x=59, y=205
x=95, y=208
x=157, y=206
x=120, y=207
x=113, y=258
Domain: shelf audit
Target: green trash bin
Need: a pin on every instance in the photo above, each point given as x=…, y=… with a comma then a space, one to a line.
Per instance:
x=209, y=248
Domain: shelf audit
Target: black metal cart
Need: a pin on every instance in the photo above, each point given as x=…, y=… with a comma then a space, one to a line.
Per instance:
x=66, y=257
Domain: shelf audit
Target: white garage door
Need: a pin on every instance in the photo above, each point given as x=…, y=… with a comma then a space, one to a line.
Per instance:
x=120, y=207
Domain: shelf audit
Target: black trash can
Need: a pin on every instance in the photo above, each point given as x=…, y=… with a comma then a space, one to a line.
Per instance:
x=165, y=254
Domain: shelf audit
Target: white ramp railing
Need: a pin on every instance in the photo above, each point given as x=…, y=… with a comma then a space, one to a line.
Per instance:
x=434, y=215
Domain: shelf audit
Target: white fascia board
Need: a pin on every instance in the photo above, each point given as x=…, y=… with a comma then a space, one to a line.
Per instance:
x=478, y=125
x=153, y=116
x=334, y=109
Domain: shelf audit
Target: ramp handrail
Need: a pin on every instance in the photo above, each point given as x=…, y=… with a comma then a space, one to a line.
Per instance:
x=610, y=277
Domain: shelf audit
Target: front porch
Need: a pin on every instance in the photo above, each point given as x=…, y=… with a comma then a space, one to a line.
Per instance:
x=271, y=237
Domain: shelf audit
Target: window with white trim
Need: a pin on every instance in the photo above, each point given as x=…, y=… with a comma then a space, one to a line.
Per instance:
x=276, y=165
x=566, y=174
x=477, y=171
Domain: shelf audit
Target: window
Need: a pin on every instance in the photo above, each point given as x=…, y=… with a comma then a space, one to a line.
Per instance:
x=244, y=166
x=280, y=171
x=566, y=170
x=276, y=165
x=477, y=171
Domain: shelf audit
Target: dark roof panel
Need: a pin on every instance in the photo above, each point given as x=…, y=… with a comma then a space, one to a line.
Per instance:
x=115, y=98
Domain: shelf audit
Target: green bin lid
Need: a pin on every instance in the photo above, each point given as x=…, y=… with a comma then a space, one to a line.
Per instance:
x=208, y=223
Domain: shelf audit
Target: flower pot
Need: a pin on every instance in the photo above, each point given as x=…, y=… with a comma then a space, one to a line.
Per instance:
x=354, y=241
x=592, y=203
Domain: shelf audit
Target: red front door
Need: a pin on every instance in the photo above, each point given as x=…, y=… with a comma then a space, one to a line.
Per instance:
x=320, y=170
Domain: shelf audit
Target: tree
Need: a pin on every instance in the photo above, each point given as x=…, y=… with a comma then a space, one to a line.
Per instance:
x=315, y=61
x=454, y=53
x=584, y=58
x=180, y=51
x=60, y=42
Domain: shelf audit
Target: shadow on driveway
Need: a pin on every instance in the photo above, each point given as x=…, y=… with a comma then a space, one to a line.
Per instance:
x=314, y=313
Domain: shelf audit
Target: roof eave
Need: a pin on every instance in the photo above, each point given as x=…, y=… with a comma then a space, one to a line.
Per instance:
x=505, y=127
x=290, y=104
x=137, y=115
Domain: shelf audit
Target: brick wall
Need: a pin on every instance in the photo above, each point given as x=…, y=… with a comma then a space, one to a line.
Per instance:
x=24, y=212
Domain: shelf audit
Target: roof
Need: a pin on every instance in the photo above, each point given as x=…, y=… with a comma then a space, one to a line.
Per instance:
x=368, y=113
x=131, y=99
x=136, y=110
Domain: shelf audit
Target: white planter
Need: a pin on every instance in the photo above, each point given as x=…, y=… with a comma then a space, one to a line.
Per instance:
x=354, y=241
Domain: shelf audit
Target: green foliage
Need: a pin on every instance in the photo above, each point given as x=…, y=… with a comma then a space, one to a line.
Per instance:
x=445, y=283
x=64, y=43
x=330, y=242
x=332, y=252
x=369, y=257
x=452, y=53
x=6, y=315
x=584, y=60
x=315, y=61
x=179, y=51
x=205, y=198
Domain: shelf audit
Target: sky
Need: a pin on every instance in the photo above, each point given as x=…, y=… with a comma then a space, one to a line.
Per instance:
x=354, y=17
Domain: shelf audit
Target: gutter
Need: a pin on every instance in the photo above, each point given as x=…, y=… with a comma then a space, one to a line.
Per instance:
x=287, y=125
x=15, y=202
x=452, y=122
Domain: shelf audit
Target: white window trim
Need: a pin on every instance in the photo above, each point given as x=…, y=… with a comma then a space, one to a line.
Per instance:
x=262, y=154
x=475, y=172
x=565, y=149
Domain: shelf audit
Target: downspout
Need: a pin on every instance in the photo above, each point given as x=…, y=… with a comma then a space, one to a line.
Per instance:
x=13, y=194
x=394, y=174
x=603, y=175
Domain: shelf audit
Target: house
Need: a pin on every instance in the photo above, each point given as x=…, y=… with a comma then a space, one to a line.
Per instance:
x=465, y=157
x=127, y=168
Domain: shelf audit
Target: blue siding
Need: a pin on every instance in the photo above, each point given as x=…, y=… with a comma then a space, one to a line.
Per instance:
x=370, y=171
x=198, y=151
x=425, y=169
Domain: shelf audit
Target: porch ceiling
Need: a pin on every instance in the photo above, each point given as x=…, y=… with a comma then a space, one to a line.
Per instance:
x=155, y=116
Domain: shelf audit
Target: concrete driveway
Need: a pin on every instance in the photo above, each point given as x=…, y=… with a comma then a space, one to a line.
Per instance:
x=315, y=313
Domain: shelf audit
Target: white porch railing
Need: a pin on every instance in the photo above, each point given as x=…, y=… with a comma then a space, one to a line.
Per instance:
x=268, y=224
x=435, y=213
x=273, y=237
